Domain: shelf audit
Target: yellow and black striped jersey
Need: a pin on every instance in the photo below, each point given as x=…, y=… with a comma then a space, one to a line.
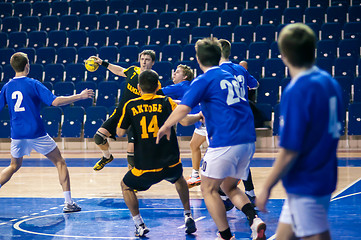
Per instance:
x=146, y=115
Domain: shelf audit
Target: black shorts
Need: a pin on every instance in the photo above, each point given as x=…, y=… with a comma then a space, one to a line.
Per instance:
x=111, y=126
x=147, y=179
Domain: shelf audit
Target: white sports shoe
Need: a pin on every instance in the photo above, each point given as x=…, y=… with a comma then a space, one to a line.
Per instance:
x=141, y=230
x=192, y=181
x=258, y=229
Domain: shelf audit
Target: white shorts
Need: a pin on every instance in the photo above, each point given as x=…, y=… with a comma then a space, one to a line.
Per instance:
x=21, y=147
x=306, y=214
x=231, y=161
x=202, y=130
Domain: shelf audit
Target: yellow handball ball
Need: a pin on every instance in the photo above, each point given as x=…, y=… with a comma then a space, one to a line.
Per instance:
x=91, y=65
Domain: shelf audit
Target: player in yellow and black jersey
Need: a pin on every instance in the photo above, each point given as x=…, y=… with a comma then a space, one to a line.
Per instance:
x=108, y=129
x=153, y=162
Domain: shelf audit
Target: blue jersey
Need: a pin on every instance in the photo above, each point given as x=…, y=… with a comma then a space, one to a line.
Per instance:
x=176, y=91
x=242, y=75
x=24, y=95
x=310, y=125
x=229, y=118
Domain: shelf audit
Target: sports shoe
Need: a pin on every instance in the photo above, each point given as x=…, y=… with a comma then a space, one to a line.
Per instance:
x=102, y=162
x=190, y=224
x=258, y=229
x=192, y=181
x=141, y=230
x=71, y=207
x=220, y=238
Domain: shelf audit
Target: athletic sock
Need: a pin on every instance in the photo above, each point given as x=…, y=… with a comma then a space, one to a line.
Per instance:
x=138, y=220
x=226, y=234
x=248, y=184
x=67, y=196
x=106, y=153
x=195, y=173
x=187, y=213
x=249, y=211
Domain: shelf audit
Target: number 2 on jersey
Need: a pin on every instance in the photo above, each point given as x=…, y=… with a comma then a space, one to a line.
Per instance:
x=235, y=91
x=19, y=99
x=151, y=128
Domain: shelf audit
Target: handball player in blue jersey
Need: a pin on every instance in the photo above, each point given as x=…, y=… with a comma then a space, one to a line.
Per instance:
x=24, y=96
x=309, y=133
x=231, y=136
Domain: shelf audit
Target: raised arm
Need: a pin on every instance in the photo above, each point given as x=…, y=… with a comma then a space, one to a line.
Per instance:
x=117, y=70
x=61, y=100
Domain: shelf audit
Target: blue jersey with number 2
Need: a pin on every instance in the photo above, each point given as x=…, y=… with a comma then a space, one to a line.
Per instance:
x=229, y=118
x=24, y=96
x=311, y=115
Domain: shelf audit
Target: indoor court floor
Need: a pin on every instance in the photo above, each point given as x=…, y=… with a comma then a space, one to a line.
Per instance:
x=31, y=202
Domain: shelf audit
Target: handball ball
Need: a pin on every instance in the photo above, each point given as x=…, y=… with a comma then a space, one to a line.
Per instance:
x=91, y=65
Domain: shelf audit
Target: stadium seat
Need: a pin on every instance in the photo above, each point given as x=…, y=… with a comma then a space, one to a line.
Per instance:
x=276, y=121
x=275, y=52
x=352, y=30
x=9, y=72
x=88, y=22
x=216, y=5
x=279, y=4
x=108, y=22
x=189, y=53
x=336, y=14
x=354, y=123
x=159, y=36
x=75, y=72
x=316, y=28
x=49, y=23
x=95, y=116
x=129, y=54
x=30, y=23
x=357, y=90
x=138, y=37
x=137, y=6
x=64, y=88
x=236, y=4
x=331, y=31
x=274, y=67
x=222, y=32
x=148, y=20
x=30, y=52
x=41, y=8
x=128, y=21
x=68, y=22
x=52, y=118
x=189, y=19
x=4, y=123
x=320, y=3
x=315, y=15
x=98, y=7
x=118, y=37
x=327, y=49
x=345, y=83
x=177, y=6
x=107, y=94
x=79, y=87
x=97, y=76
x=54, y=73
x=251, y=16
x=77, y=38
x=57, y=38
x=79, y=7
x=73, y=122
x=3, y=40
x=164, y=70
x=267, y=92
x=200, y=32
x=195, y=5
x=97, y=38
x=230, y=17
x=272, y=16
x=257, y=4
x=238, y=51
x=180, y=36
x=354, y=13
x=109, y=54
x=36, y=71
x=266, y=33
x=22, y=9
x=171, y=53
x=168, y=20
x=6, y=9
x=117, y=6
x=345, y=66
x=66, y=55
x=10, y=24
x=350, y=48
x=209, y=18
x=255, y=67
x=325, y=64
x=60, y=8
x=17, y=40
x=244, y=34
x=45, y=55
x=258, y=50
x=85, y=52
x=5, y=55
x=298, y=4
x=157, y=6
x=293, y=15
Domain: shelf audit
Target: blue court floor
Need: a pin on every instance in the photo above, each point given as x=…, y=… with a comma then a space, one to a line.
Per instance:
x=109, y=218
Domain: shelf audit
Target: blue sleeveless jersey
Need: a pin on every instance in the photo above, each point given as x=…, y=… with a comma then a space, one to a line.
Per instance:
x=24, y=96
x=311, y=115
x=229, y=118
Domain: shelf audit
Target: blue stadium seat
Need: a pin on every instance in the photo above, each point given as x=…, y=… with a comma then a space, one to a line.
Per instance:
x=54, y=73
x=266, y=33
x=77, y=38
x=180, y=35
x=244, y=34
x=350, y=48
x=274, y=67
x=17, y=40
x=298, y=4
x=251, y=16
x=10, y=24
x=85, y=52
x=137, y=6
x=49, y=23
x=238, y=51
x=336, y=14
x=138, y=37
x=52, y=118
x=280, y=4
x=265, y=110
x=157, y=6
x=171, y=52
x=168, y=19
x=5, y=55
x=79, y=87
x=236, y=4
x=79, y=7
x=319, y=3
x=272, y=16
x=3, y=40
x=327, y=49
x=188, y=19
x=108, y=22
x=98, y=7
x=60, y=8
x=95, y=116
x=189, y=53
x=129, y=54
x=183, y=131
x=275, y=52
x=57, y=38
x=345, y=66
x=177, y=6
x=331, y=31
x=41, y=8
x=4, y=123
x=128, y=21
x=30, y=52
x=30, y=23
x=209, y=18
x=344, y=3
x=276, y=122
x=9, y=72
x=117, y=6
x=117, y=78
x=195, y=5
x=325, y=64
x=164, y=70
x=64, y=88
x=36, y=71
x=73, y=122
x=68, y=22
x=222, y=32
x=97, y=76
x=148, y=20
x=316, y=28
x=118, y=37
x=66, y=55
x=107, y=94
x=354, y=123
x=255, y=67
x=88, y=22
x=293, y=15
x=22, y=9
x=354, y=13
x=97, y=38
x=257, y=4
x=267, y=92
x=258, y=50
x=216, y=5
x=352, y=30
x=345, y=83
x=159, y=36
x=6, y=9
x=75, y=72
x=230, y=17
x=315, y=15
x=357, y=90
x=109, y=54
x=200, y=32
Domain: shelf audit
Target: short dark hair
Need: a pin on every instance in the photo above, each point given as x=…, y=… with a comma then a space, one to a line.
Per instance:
x=226, y=48
x=148, y=81
x=150, y=53
x=18, y=61
x=297, y=42
x=187, y=71
x=208, y=51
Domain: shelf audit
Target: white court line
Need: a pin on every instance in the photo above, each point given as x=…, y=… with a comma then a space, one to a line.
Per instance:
x=345, y=188
x=196, y=220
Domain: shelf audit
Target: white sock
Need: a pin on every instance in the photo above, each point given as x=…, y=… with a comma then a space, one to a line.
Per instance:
x=106, y=153
x=195, y=173
x=138, y=219
x=251, y=193
x=67, y=196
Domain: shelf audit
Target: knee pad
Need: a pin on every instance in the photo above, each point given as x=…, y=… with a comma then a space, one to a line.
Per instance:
x=99, y=138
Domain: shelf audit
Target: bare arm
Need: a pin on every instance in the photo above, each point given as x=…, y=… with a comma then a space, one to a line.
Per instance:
x=190, y=119
x=283, y=163
x=117, y=70
x=121, y=131
x=61, y=101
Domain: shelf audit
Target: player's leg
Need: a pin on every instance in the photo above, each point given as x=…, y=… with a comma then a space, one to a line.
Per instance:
x=101, y=140
x=195, y=145
x=130, y=149
x=249, y=188
x=7, y=173
x=285, y=232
